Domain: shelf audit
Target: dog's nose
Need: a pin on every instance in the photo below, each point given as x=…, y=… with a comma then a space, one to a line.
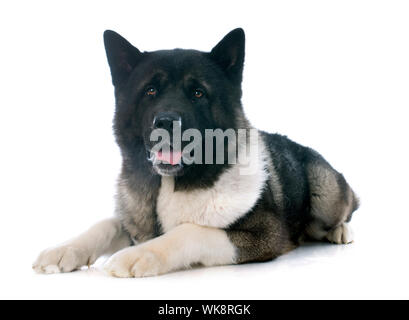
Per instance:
x=166, y=121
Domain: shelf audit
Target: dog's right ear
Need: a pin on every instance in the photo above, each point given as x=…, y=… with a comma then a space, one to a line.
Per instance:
x=122, y=56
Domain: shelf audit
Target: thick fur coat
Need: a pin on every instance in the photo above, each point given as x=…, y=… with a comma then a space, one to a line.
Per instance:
x=172, y=216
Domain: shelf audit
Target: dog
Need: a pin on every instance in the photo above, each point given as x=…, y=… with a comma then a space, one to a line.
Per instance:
x=172, y=214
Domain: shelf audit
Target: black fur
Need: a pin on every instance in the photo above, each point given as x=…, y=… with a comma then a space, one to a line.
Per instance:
x=175, y=74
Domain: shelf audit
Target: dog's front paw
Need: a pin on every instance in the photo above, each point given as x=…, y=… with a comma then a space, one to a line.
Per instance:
x=136, y=262
x=61, y=259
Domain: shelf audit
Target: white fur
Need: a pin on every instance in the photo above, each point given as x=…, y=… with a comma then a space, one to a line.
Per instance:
x=103, y=238
x=181, y=247
x=232, y=196
x=341, y=235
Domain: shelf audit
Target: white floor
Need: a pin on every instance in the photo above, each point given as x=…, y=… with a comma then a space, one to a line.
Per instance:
x=371, y=267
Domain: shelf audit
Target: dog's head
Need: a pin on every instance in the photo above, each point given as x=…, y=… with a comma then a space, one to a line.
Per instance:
x=172, y=90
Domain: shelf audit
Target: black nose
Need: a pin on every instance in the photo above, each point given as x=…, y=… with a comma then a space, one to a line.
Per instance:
x=166, y=120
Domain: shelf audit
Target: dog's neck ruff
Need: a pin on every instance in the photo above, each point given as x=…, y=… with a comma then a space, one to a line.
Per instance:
x=232, y=196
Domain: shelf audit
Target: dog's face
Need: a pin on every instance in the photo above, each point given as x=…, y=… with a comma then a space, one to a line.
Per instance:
x=173, y=89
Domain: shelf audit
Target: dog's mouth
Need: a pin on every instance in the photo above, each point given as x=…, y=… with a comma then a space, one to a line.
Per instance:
x=169, y=157
x=166, y=162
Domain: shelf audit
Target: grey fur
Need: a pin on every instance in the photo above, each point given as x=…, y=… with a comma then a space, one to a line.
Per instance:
x=332, y=200
x=135, y=206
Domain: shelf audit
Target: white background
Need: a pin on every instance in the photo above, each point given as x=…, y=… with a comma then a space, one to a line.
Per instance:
x=333, y=75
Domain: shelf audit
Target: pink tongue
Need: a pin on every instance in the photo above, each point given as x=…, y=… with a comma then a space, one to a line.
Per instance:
x=171, y=157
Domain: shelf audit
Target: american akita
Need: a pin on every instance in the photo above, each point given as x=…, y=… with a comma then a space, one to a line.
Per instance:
x=172, y=215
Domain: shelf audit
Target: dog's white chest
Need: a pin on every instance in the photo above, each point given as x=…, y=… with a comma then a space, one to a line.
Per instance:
x=231, y=197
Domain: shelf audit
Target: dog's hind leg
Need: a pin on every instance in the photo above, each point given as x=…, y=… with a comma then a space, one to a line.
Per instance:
x=261, y=236
x=332, y=202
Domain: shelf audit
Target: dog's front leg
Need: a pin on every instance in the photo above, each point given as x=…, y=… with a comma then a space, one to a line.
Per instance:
x=103, y=238
x=183, y=246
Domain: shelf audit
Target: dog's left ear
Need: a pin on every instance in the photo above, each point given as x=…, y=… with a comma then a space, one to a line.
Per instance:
x=229, y=54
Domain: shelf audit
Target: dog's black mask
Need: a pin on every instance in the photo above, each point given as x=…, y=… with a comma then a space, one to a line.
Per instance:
x=161, y=89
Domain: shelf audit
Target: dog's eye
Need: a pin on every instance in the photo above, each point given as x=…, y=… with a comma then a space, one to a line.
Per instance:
x=198, y=93
x=151, y=91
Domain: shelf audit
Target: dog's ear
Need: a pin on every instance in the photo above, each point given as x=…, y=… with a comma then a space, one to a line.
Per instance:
x=122, y=56
x=229, y=54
